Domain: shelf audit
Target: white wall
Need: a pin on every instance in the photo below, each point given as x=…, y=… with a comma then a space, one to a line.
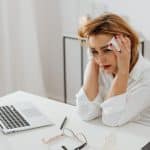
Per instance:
x=69, y=16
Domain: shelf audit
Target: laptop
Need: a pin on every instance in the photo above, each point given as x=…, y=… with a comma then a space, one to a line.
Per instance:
x=21, y=116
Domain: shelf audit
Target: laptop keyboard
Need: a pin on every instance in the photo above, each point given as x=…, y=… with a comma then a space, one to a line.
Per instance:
x=11, y=118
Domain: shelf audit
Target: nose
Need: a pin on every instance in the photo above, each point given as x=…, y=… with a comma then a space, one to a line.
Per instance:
x=101, y=59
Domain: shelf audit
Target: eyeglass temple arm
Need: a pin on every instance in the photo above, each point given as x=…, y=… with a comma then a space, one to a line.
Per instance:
x=81, y=146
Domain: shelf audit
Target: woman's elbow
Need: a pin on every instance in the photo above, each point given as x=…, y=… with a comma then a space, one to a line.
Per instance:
x=87, y=114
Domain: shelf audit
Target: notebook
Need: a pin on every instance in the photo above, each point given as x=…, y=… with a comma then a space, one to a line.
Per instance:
x=21, y=116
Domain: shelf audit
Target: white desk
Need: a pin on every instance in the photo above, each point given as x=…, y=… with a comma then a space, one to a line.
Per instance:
x=129, y=137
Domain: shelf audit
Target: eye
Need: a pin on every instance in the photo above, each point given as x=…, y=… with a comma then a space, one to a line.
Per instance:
x=107, y=50
x=93, y=51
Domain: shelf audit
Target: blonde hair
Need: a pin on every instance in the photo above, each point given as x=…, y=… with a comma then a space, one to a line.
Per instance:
x=111, y=24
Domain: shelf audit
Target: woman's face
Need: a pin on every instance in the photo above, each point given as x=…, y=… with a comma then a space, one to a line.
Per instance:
x=103, y=56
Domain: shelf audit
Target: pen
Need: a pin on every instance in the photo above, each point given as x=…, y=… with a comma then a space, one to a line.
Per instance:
x=63, y=123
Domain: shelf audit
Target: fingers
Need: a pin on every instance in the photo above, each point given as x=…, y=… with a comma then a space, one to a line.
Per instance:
x=123, y=42
x=114, y=50
x=119, y=42
x=127, y=43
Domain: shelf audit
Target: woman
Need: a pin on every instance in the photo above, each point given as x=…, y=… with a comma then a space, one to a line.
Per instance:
x=117, y=82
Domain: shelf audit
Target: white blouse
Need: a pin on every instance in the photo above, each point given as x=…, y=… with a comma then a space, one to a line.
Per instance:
x=134, y=105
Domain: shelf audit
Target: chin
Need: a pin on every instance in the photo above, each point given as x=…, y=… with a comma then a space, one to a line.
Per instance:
x=109, y=71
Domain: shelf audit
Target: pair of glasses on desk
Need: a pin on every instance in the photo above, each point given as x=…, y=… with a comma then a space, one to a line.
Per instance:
x=71, y=134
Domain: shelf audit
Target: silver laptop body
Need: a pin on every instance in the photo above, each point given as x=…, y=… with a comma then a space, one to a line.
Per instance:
x=21, y=116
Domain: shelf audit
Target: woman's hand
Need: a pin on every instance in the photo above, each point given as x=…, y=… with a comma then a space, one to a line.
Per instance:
x=123, y=56
x=123, y=64
x=90, y=85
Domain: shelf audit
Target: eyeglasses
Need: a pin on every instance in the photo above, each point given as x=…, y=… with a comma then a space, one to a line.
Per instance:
x=71, y=134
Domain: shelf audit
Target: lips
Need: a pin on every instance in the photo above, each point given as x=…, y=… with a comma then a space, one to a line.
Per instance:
x=106, y=66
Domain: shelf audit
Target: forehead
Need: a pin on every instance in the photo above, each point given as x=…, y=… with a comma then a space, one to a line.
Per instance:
x=100, y=40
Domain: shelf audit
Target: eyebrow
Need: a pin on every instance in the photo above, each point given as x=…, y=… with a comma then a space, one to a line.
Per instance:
x=101, y=48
